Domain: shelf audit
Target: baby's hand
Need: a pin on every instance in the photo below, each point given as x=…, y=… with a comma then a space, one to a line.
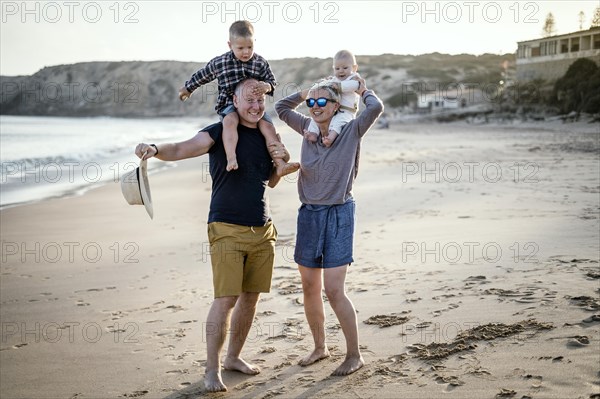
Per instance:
x=261, y=88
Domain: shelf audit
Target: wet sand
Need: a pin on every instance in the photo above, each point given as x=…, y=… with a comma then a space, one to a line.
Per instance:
x=476, y=275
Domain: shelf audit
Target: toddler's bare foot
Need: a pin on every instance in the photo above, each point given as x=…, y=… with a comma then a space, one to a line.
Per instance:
x=315, y=356
x=239, y=364
x=350, y=365
x=213, y=381
x=330, y=138
x=232, y=164
x=310, y=136
x=287, y=168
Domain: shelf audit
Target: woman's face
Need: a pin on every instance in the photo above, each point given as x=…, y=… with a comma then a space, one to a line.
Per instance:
x=322, y=114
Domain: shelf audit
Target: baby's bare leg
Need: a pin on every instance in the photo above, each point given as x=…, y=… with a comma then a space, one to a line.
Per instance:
x=311, y=136
x=330, y=138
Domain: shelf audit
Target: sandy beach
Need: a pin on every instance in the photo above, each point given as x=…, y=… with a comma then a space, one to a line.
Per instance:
x=476, y=275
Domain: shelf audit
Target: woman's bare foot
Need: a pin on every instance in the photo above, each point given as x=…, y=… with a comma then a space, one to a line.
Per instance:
x=315, y=356
x=232, y=164
x=350, y=365
x=213, y=381
x=239, y=364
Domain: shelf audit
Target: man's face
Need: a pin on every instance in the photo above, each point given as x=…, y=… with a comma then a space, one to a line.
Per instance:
x=250, y=107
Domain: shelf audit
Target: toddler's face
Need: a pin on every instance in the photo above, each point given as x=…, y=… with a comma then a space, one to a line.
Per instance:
x=343, y=67
x=242, y=47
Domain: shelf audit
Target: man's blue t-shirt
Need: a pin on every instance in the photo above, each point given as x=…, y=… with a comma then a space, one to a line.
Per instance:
x=238, y=196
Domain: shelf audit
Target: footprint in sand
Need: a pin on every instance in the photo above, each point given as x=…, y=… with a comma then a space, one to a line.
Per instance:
x=135, y=394
x=267, y=349
x=387, y=320
x=506, y=393
x=578, y=341
x=266, y=313
x=472, y=281
x=184, y=371
x=592, y=319
x=536, y=380
x=586, y=302
x=90, y=290
x=451, y=380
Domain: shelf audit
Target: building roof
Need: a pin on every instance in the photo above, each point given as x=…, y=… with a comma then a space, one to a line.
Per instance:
x=595, y=29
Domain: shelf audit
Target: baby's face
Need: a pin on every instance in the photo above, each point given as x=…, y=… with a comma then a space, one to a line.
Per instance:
x=343, y=67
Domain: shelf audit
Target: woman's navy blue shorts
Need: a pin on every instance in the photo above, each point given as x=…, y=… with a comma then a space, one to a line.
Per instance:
x=325, y=235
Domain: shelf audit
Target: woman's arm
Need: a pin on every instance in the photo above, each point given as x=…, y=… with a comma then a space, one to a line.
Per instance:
x=374, y=108
x=372, y=111
x=286, y=109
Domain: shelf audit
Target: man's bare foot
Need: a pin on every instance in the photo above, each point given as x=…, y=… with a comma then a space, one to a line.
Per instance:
x=310, y=136
x=239, y=364
x=213, y=381
x=287, y=168
x=330, y=138
x=232, y=164
x=315, y=356
x=350, y=365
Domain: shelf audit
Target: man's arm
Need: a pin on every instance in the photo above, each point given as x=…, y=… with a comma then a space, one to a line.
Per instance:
x=194, y=147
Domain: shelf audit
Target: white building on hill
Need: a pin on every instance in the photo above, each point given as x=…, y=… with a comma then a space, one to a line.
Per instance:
x=549, y=58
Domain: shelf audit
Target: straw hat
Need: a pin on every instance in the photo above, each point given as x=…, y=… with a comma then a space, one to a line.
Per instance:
x=136, y=189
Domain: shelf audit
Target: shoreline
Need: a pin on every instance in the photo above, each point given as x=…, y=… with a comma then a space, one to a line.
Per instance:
x=80, y=189
x=552, y=126
x=67, y=156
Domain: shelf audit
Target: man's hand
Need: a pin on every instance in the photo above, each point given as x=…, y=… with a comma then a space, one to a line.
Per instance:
x=184, y=94
x=145, y=151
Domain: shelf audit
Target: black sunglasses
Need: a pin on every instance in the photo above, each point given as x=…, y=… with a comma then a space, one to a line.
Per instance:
x=321, y=102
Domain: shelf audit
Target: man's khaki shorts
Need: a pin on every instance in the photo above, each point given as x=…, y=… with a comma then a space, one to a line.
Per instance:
x=242, y=257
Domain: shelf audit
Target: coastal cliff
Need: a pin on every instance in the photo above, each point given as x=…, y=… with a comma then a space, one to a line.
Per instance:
x=149, y=89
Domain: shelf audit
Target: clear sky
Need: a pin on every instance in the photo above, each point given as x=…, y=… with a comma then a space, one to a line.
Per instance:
x=36, y=34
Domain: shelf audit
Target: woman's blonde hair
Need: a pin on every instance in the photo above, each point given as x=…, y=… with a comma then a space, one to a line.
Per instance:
x=332, y=88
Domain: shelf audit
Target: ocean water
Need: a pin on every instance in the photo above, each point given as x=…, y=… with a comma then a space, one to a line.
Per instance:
x=44, y=157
